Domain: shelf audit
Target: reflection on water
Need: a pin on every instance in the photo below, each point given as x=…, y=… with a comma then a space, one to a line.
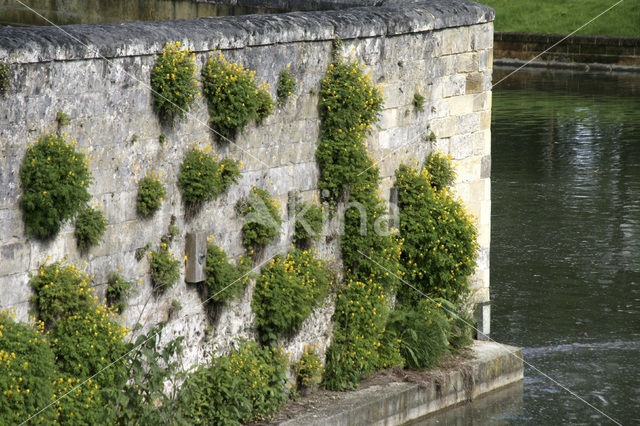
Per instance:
x=66, y=12
x=565, y=255
x=497, y=408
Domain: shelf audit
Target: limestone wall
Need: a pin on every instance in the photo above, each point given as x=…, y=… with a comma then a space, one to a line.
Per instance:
x=99, y=76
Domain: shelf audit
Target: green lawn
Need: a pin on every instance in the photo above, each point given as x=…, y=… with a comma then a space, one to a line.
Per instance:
x=565, y=16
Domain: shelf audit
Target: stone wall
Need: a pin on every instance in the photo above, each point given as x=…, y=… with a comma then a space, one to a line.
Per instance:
x=99, y=76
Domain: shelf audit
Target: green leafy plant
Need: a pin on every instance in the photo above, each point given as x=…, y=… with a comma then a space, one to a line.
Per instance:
x=173, y=81
x=59, y=288
x=233, y=97
x=90, y=227
x=145, y=399
x=308, y=224
x=428, y=330
x=349, y=105
x=224, y=280
x=141, y=252
x=162, y=138
x=54, y=178
x=118, y=290
x=288, y=289
x=440, y=239
x=82, y=403
x=88, y=342
x=134, y=139
x=441, y=173
x=202, y=178
x=151, y=192
x=62, y=119
x=246, y=385
x=262, y=219
x=418, y=102
x=5, y=78
x=165, y=268
x=286, y=85
x=309, y=369
x=27, y=366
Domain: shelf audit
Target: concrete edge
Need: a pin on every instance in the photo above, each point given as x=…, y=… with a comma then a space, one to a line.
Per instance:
x=384, y=18
x=491, y=366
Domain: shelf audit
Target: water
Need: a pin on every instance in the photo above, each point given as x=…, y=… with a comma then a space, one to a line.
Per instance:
x=565, y=259
x=565, y=250
x=66, y=12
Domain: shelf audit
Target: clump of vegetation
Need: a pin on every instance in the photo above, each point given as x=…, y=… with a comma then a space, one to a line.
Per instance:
x=118, y=290
x=439, y=250
x=88, y=342
x=165, y=268
x=27, y=365
x=145, y=399
x=349, y=105
x=262, y=219
x=428, y=330
x=309, y=369
x=288, y=290
x=59, y=288
x=5, y=78
x=151, y=193
x=286, y=85
x=246, y=385
x=83, y=335
x=440, y=171
x=224, y=280
x=233, y=97
x=202, y=178
x=90, y=227
x=62, y=119
x=418, y=102
x=308, y=224
x=162, y=138
x=54, y=178
x=78, y=355
x=173, y=81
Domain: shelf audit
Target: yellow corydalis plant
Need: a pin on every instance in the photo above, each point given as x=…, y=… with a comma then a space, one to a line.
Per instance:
x=233, y=96
x=151, y=193
x=173, y=81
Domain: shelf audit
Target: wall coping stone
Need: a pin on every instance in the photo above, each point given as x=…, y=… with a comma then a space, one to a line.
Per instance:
x=348, y=20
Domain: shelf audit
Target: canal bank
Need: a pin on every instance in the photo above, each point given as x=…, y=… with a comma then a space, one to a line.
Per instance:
x=558, y=50
x=398, y=396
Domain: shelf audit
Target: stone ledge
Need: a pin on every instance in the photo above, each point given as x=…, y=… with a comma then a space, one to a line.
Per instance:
x=384, y=18
x=489, y=366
